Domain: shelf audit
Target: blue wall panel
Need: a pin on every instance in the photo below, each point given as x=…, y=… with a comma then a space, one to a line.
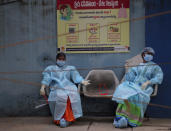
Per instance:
x=158, y=36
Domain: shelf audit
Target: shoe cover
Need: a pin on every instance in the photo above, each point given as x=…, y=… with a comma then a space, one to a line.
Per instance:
x=63, y=123
x=121, y=123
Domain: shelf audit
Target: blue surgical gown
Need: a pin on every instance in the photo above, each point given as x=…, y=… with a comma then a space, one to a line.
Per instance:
x=61, y=81
x=130, y=88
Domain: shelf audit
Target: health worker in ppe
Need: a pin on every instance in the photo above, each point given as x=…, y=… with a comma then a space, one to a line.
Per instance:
x=64, y=99
x=133, y=94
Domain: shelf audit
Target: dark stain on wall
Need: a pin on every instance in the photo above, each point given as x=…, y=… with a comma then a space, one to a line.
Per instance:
x=154, y=4
x=23, y=2
x=36, y=2
x=5, y=2
x=45, y=59
x=161, y=3
x=47, y=11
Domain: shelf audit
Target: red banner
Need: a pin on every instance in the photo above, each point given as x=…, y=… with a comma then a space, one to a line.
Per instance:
x=93, y=4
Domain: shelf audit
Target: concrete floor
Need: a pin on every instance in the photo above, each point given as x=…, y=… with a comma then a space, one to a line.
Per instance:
x=83, y=124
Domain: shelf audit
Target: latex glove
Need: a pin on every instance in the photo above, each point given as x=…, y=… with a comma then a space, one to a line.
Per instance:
x=42, y=90
x=85, y=82
x=145, y=84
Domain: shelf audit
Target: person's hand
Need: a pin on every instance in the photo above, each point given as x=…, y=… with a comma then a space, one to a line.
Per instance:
x=42, y=90
x=85, y=82
x=145, y=84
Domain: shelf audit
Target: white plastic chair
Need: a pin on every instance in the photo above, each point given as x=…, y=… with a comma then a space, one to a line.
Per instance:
x=103, y=84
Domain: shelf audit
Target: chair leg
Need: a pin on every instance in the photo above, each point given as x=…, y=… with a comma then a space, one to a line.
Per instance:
x=146, y=116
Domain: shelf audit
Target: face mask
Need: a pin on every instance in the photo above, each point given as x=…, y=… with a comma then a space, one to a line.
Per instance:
x=60, y=63
x=148, y=57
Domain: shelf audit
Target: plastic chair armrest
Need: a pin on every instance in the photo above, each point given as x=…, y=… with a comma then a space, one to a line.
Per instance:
x=155, y=90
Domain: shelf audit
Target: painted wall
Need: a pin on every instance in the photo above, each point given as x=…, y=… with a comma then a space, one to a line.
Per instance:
x=157, y=35
x=25, y=20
